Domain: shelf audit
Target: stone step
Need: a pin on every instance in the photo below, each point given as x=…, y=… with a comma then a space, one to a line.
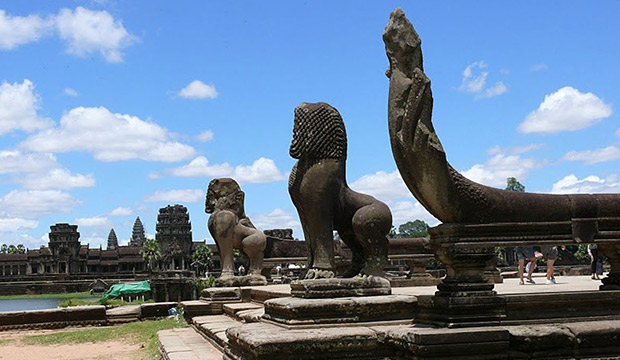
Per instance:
x=249, y=316
x=186, y=344
x=213, y=327
x=233, y=308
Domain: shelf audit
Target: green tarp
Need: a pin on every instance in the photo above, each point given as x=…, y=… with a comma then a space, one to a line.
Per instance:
x=132, y=288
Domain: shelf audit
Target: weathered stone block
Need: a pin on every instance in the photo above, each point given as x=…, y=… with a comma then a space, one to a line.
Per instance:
x=298, y=311
x=333, y=288
x=153, y=310
x=259, y=341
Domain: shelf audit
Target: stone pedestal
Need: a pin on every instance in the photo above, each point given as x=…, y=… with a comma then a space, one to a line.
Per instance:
x=331, y=288
x=464, y=297
x=245, y=280
x=612, y=280
x=299, y=312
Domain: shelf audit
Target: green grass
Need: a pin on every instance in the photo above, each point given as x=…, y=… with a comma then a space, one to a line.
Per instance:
x=107, y=303
x=78, y=295
x=141, y=332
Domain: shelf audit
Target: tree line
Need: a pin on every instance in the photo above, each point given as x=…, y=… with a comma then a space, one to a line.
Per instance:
x=12, y=249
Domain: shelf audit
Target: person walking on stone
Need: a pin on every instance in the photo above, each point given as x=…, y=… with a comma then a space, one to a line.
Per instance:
x=594, y=260
x=526, y=253
x=551, y=254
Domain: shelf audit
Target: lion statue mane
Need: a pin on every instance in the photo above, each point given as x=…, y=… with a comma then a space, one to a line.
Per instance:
x=232, y=229
x=324, y=201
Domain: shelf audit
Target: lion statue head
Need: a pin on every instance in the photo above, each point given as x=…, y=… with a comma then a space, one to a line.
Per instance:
x=318, y=133
x=225, y=194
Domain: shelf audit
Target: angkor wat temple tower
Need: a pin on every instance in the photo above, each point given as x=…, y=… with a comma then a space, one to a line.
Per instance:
x=137, y=234
x=174, y=235
x=112, y=241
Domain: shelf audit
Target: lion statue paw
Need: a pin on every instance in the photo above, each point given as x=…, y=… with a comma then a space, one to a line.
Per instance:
x=319, y=274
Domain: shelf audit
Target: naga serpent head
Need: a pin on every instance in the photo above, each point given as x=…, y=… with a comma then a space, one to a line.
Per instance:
x=318, y=133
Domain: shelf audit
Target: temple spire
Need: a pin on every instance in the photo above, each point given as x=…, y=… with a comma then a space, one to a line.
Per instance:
x=112, y=241
x=137, y=234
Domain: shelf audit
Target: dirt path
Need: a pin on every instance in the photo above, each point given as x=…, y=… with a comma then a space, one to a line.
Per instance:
x=12, y=348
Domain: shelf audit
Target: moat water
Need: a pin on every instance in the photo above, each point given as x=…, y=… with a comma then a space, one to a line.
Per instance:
x=29, y=304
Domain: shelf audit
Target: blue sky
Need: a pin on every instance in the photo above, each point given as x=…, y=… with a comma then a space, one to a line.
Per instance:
x=110, y=110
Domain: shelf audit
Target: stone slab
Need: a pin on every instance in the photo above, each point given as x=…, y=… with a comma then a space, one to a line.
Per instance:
x=186, y=344
x=221, y=294
x=214, y=327
x=155, y=310
x=200, y=307
x=293, y=311
x=258, y=341
x=336, y=287
x=430, y=343
x=231, y=309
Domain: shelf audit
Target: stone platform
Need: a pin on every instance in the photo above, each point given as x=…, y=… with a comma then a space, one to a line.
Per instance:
x=300, y=312
x=553, y=330
x=337, y=287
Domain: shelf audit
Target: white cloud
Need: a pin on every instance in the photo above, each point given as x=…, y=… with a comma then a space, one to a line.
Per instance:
x=88, y=31
x=205, y=136
x=617, y=133
x=590, y=184
x=278, y=219
x=538, y=67
x=14, y=161
x=382, y=185
x=58, y=179
x=177, y=196
x=84, y=32
x=474, y=79
x=262, y=170
x=153, y=175
x=497, y=169
x=109, y=136
x=198, y=90
x=121, y=211
x=515, y=149
x=20, y=30
x=495, y=90
x=18, y=108
x=594, y=156
x=40, y=171
x=391, y=189
x=567, y=109
x=92, y=221
x=16, y=224
x=403, y=211
x=34, y=203
x=70, y=92
x=474, y=82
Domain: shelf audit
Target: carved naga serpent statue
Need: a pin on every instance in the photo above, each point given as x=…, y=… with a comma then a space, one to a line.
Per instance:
x=421, y=160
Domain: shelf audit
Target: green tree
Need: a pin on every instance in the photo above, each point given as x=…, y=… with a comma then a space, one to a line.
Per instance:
x=151, y=252
x=417, y=228
x=21, y=249
x=392, y=233
x=203, y=255
x=4, y=249
x=12, y=249
x=513, y=184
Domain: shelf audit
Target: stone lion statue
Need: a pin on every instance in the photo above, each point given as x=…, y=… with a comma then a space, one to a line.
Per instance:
x=231, y=229
x=324, y=201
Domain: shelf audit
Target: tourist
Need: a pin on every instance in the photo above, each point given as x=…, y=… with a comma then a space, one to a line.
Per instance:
x=241, y=270
x=594, y=261
x=526, y=253
x=551, y=254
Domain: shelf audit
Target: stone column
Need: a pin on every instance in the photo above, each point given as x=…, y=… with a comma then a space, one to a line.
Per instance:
x=612, y=252
x=465, y=297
